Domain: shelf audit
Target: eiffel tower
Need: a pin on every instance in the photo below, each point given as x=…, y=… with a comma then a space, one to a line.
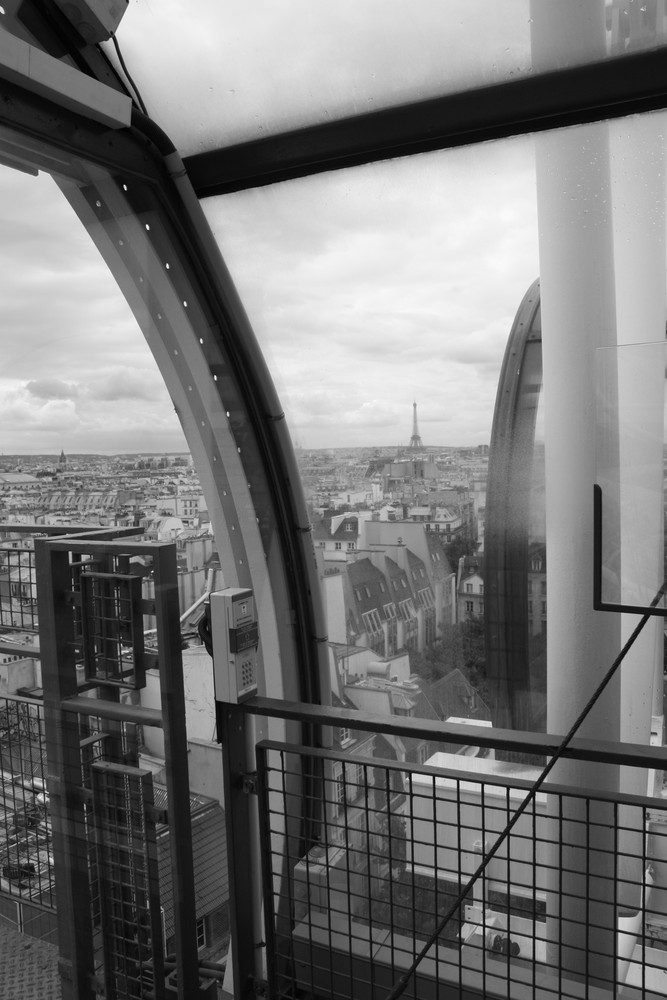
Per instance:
x=415, y=440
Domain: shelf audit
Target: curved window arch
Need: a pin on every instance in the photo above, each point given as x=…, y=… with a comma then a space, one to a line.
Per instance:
x=509, y=559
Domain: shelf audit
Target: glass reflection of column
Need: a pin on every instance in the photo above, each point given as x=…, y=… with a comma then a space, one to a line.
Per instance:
x=578, y=314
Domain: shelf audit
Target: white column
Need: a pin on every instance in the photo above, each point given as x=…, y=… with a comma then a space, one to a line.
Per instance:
x=578, y=315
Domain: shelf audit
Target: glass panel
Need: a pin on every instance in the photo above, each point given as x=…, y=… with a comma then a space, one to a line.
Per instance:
x=225, y=73
x=379, y=288
x=601, y=212
x=383, y=298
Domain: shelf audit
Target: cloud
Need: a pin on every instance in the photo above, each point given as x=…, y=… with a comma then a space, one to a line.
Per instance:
x=127, y=384
x=52, y=388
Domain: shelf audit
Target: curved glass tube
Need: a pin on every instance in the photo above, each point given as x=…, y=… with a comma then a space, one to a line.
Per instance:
x=511, y=549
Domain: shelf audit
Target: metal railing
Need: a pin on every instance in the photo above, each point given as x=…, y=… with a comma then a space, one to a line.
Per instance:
x=364, y=855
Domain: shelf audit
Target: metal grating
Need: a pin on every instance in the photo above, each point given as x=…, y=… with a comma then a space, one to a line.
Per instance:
x=128, y=878
x=112, y=629
x=26, y=869
x=574, y=900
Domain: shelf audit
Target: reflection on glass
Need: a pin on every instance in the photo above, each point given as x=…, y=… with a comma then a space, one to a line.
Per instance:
x=630, y=395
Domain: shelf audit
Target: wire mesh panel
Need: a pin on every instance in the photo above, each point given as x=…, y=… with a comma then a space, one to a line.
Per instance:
x=411, y=884
x=18, y=587
x=112, y=629
x=93, y=616
x=127, y=870
x=25, y=835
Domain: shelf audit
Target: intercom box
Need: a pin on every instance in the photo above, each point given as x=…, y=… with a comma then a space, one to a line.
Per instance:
x=235, y=636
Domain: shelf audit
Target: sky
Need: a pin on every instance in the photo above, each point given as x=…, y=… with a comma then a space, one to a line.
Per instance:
x=75, y=373
x=368, y=288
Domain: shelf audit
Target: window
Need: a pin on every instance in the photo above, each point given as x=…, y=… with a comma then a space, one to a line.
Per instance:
x=338, y=545
x=348, y=782
x=470, y=607
x=349, y=526
x=392, y=637
x=338, y=783
x=201, y=933
x=350, y=545
x=468, y=588
x=372, y=621
x=407, y=611
x=425, y=598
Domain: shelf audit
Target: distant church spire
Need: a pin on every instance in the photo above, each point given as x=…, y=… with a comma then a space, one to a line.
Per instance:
x=415, y=440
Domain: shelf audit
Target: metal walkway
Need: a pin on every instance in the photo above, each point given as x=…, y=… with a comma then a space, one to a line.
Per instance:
x=28, y=967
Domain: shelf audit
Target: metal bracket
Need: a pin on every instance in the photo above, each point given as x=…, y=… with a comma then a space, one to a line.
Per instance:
x=249, y=783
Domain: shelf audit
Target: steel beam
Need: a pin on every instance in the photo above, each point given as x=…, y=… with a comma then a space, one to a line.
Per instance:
x=625, y=85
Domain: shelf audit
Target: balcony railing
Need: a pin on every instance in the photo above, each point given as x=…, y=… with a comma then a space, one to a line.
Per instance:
x=374, y=878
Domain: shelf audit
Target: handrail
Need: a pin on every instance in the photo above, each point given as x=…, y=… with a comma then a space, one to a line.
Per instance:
x=543, y=744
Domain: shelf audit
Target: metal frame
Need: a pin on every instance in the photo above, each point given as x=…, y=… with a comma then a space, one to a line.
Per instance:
x=63, y=703
x=365, y=955
x=598, y=603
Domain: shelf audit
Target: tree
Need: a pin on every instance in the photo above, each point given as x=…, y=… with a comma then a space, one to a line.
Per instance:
x=460, y=647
